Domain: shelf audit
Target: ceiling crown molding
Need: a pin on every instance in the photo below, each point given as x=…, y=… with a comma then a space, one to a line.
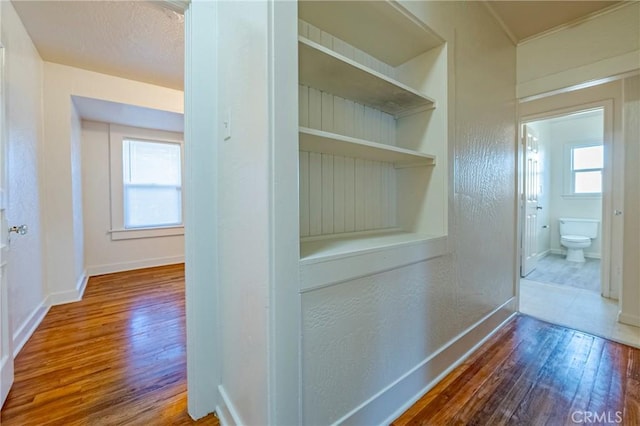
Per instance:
x=580, y=20
x=178, y=6
x=502, y=24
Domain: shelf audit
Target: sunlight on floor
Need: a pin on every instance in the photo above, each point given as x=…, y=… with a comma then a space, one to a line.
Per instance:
x=576, y=308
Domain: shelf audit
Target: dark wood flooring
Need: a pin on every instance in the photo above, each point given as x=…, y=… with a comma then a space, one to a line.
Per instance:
x=115, y=358
x=118, y=358
x=535, y=373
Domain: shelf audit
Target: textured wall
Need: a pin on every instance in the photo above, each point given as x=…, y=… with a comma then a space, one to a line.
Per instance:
x=23, y=85
x=360, y=336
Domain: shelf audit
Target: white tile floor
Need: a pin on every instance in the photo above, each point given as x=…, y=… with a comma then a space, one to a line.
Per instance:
x=576, y=308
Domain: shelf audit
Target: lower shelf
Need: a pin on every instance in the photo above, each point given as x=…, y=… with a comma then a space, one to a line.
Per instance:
x=330, y=261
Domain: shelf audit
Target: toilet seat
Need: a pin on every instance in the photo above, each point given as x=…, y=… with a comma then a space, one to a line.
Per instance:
x=575, y=239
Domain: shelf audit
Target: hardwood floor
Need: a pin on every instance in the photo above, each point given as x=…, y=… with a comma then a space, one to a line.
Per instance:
x=535, y=373
x=115, y=358
x=118, y=358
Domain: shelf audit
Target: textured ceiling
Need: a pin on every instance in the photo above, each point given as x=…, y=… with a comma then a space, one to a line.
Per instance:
x=528, y=18
x=138, y=40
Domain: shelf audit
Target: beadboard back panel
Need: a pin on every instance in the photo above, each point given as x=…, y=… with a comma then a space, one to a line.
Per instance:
x=343, y=194
x=324, y=111
x=345, y=49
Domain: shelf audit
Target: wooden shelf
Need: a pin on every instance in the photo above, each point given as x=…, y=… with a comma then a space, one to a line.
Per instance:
x=331, y=143
x=383, y=29
x=331, y=72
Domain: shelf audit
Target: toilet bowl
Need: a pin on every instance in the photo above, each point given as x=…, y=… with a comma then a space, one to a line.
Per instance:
x=576, y=235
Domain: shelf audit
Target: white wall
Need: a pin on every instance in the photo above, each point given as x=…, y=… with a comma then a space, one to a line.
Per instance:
x=77, y=197
x=561, y=132
x=102, y=254
x=371, y=345
x=23, y=85
x=60, y=168
x=598, y=48
x=243, y=209
x=630, y=297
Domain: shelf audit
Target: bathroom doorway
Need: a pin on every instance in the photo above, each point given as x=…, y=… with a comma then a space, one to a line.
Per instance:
x=584, y=309
x=563, y=177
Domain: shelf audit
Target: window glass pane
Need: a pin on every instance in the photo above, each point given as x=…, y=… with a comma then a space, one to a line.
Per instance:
x=588, y=157
x=588, y=182
x=152, y=181
x=148, y=205
x=151, y=162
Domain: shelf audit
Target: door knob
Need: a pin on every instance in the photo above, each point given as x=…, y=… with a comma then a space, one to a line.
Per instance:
x=22, y=229
x=617, y=212
x=538, y=207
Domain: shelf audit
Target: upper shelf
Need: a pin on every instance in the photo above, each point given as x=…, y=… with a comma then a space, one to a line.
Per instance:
x=331, y=72
x=383, y=29
x=330, y=143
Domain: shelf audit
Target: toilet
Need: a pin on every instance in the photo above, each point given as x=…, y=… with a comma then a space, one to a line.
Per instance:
x=576, y=235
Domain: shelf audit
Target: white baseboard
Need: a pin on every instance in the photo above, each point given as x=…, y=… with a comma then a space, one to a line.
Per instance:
x=543, y=254
x=27, y=328
x=405, y=391
x=6, y=376
x=130, y=266
x=629, y=319
x=69, y=296
x=81, y=285
x=226, y=411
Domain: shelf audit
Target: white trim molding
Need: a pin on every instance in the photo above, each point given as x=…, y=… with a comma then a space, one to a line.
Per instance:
x=69, y=296
x=226, y=411
x=110, y=268
x=628, y=319
x=161, y=231
x=409, y=388
x=25, y=331
x=501, y=22
x=575, y=22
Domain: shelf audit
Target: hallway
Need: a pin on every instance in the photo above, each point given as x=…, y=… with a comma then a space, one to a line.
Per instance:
x=116, y=357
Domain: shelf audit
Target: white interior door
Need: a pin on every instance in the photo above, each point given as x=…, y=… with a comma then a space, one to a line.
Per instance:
x=531, y=186
x=6, y=350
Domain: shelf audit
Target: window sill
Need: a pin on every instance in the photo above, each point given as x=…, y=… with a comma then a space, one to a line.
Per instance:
x=130, y=234
x=582, y=196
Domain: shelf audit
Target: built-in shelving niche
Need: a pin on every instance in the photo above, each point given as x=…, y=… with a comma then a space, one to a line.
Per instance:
x=373, y=134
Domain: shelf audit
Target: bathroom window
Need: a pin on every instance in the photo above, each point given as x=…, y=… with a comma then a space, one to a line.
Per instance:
x=586, y=163
x=146, y=183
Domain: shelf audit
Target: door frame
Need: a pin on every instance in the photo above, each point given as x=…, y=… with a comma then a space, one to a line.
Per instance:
x=6, y=338
x=612, y=163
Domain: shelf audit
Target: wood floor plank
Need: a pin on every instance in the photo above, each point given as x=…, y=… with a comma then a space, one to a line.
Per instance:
x=115, y=358
x=547, y=375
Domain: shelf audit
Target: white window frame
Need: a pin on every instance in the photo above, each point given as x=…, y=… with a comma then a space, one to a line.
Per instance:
x=117, y=135
x=569, y=181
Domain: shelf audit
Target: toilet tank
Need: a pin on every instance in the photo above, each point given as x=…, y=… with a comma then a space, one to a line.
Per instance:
x=581, y=227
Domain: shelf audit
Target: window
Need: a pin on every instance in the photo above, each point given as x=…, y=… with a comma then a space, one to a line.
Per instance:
x=586, y=169
x=152, y=182
x=146, y=183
